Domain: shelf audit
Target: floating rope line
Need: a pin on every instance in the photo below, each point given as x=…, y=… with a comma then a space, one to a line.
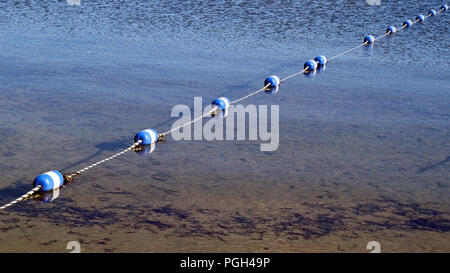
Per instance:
x=132, y=147
x=251, y=94
x=53, y=180
x=23, y=197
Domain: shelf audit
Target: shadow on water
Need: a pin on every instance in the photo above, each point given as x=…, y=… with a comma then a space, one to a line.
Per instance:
x=105, y=146
x=434, y=165
x=12, y=191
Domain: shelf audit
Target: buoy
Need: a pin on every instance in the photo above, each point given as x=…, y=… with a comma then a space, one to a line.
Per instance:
x=223, y=103
x=432, y=12
x=311, y=65
x=444, y=7
x=49, y=181
x=147, y=136
x=420, y=18
x=407, y=23
x=391, y=30
x=369, y=39
x=321, y=60
x=274, y=82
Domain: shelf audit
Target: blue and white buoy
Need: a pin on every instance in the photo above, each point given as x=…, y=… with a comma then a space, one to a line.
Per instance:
x=147, y=136
x=420, y=18
x=321, y=60
x=407, y=23
x=432, y=12
x=369, y=39
x=391, y=30
x=49, y=181
x=444, y=7
x=273, y=80
x=223, y=103
x=310, y=65
x=274, y=84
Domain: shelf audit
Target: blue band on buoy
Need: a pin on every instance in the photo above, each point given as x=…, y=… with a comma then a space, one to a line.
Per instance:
x=420, y=18
x=49, y=181
x=432, y=12
x=369, y=39
x=273, y=80
x=147, y=136
x=223, y=103
x=311, y=65
x=444, y=7
x=407, y=23
x=321, y=60
x=391, y=30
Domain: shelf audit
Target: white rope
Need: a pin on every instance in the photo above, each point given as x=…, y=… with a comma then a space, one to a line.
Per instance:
x=70, y=176
x=293, y=75
x=346, y=52
x=105, y=160
x=23, y=197
x=251, y=94
x=381, y=36
x=375, y=39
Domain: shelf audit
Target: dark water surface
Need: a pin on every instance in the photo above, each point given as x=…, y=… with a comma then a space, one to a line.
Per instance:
x=364, y=146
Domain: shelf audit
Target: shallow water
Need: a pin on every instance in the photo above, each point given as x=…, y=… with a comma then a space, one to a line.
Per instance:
x=364, y=146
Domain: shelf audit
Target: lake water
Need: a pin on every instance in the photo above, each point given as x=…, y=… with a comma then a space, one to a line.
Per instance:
x=364, y=148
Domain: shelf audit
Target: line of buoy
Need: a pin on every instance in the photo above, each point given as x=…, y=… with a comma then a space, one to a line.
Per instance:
x=53, y=180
